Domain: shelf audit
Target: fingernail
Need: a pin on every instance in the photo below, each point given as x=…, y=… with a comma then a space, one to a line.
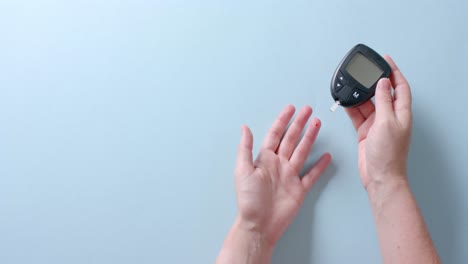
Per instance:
x=383, y=84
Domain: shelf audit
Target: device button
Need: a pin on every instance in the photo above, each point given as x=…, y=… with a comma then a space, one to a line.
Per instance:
x=340, y=77
x=356, y=96
x=344, y=93
x=338, y=85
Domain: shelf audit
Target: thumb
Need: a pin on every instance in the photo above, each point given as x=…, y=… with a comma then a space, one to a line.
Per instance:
x=383, y=99
x=244, y=155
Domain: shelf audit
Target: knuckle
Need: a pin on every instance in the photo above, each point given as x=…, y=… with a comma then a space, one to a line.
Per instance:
x=275, y=133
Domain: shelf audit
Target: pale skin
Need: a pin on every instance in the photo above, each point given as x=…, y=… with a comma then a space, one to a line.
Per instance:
x=270, y=192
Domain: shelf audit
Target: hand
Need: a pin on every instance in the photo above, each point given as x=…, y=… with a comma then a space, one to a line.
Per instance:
x=384, y=130
x=269, y=189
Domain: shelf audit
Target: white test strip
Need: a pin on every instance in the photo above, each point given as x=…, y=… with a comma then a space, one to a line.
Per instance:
x=334, y=106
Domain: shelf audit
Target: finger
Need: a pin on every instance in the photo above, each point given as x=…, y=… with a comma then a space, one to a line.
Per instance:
x=288, y=143
x=367, y=108
x=402, y=94
x=275, y=133
x=401, y=86
x=383, y=99
x=302, y=150
x=244, y=161
x=314, y=173
x=365, y=127
x=356, y=117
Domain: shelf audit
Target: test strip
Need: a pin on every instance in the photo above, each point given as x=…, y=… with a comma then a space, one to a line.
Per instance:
x=334, y=106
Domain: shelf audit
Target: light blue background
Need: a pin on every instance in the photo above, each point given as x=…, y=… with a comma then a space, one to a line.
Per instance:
x=119, y=122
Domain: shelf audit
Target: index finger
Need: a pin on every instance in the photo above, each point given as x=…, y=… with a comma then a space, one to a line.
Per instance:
x=360, y=113
x=402, y=95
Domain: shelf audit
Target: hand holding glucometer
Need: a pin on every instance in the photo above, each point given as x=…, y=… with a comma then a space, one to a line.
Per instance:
x=356, y=76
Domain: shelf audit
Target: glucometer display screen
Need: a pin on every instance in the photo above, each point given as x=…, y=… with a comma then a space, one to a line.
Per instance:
x=363, y=70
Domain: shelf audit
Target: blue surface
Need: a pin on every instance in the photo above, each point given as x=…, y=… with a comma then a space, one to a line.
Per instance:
x=120, y=121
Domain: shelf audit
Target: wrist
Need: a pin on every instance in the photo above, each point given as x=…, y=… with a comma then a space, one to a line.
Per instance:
x=380, y=191
x=254, y=233
x=245, y=245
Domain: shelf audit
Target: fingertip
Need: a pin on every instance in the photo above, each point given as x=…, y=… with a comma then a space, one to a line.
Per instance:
x=246, y=136
x=247, y=129
x=288, y=112
x=290, y=108
x=243, y=128
x=327, y=157
x=316, y=122
x=326, y=160
x=307, y=109
x=244, y=153
x=383, y=89
x=384, y=84
x=383, y=97
x=316, y=171
x=384, y=80
x=390, y=61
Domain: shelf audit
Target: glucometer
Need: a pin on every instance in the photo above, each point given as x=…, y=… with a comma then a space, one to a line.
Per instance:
x=356, y=76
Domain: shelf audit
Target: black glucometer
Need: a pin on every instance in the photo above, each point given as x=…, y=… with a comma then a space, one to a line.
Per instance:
x=356, y=76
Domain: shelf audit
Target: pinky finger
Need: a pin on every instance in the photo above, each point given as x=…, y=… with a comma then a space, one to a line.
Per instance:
x=314, y=173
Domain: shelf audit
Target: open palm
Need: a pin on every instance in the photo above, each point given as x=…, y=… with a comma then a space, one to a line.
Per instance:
x=269, y=189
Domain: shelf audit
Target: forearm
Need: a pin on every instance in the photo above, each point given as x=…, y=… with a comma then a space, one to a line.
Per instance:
x=403, y=236
x=244, y=246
